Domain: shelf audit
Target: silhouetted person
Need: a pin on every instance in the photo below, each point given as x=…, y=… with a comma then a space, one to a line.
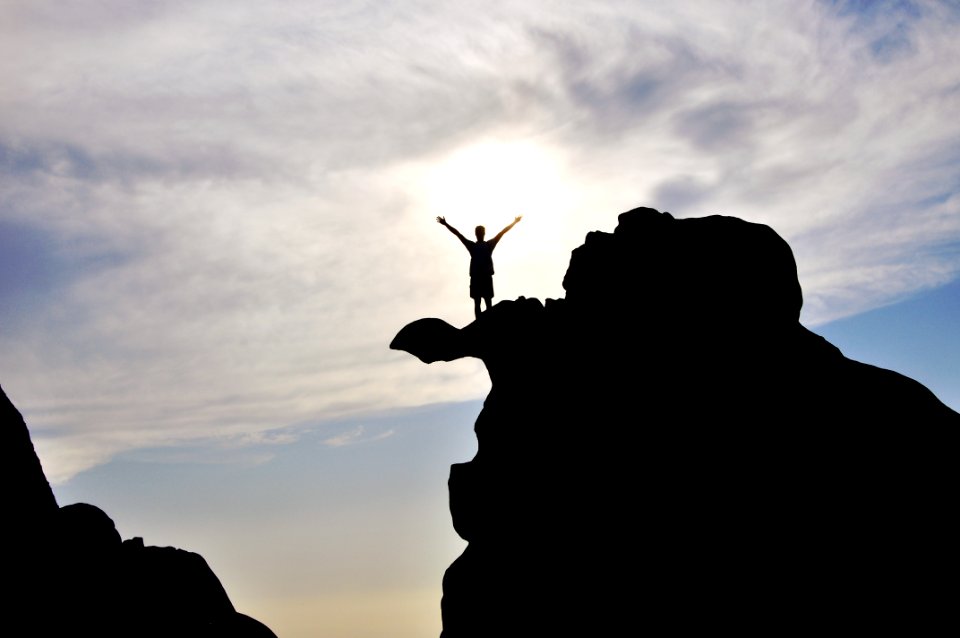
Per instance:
x=481, y=262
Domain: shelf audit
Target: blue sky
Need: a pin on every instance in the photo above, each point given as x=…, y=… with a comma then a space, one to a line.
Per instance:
x=343, y=534
x=214, y=216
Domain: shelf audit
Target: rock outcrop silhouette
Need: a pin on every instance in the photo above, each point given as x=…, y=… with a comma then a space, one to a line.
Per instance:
x=668, y=449
x=70, y=574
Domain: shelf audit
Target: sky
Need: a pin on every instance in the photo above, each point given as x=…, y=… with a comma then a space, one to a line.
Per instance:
x=215, y=215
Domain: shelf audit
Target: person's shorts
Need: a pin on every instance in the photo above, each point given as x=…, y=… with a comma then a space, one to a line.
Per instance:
x=481, y=287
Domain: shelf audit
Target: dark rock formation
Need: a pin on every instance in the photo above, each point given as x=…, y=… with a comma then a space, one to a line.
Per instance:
x=669, y=449
x=69, y=573
x=31, y=504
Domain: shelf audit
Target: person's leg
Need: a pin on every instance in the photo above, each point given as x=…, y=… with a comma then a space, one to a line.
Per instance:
x=476, y=307
x=489, y=301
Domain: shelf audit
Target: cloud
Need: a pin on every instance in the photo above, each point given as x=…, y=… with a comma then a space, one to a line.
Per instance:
x=355, y=435
x=222, y=218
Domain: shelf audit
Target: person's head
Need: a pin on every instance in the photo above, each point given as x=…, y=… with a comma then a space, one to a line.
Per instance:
x=480, y=231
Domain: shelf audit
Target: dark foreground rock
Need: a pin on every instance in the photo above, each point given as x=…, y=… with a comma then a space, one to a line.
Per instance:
x=668, y=449
x=69, y=573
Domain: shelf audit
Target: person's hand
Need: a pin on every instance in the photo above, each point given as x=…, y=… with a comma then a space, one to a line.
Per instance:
x=519, y=217
x=442, y=220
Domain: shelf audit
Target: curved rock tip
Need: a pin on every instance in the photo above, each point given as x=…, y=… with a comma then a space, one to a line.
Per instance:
x=430, y=340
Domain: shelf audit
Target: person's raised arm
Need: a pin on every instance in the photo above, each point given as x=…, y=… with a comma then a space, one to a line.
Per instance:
x=509, y=226
x=443, y=222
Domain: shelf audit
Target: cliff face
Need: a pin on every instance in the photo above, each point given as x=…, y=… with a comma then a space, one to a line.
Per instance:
x=667, y=447
x=30, y=501
x=70, y=574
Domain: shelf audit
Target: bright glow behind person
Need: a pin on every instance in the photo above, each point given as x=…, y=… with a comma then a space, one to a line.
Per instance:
x=490, y=182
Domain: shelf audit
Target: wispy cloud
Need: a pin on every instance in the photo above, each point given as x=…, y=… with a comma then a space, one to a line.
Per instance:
x=356, y=435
